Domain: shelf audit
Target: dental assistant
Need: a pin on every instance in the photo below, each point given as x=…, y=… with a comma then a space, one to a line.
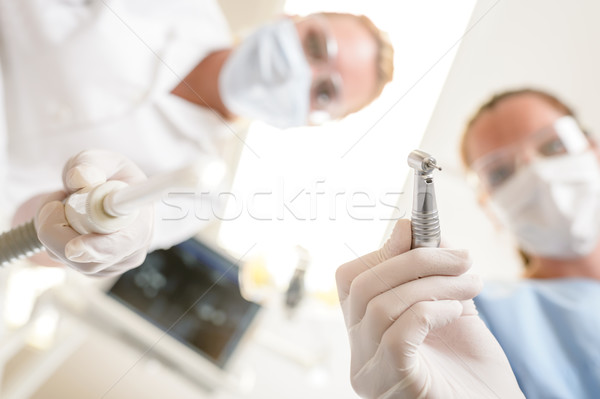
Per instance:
x=540, y=175
x=413, y=325
x=161, y=84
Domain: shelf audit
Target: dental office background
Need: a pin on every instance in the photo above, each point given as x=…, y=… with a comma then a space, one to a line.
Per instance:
x=314, y=197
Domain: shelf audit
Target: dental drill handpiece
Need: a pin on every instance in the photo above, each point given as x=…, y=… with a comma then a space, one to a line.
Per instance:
x=105, y=208
x=425, y=221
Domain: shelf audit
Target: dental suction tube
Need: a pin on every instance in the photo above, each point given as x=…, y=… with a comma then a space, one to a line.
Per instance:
x=425, y=221
x=22, y=241
x=104, y=209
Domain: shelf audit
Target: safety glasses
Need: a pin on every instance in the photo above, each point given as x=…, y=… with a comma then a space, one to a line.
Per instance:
x=564, y=136
x=321, y=50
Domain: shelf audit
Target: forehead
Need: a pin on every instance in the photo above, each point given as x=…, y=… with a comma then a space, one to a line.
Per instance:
x=356, y=61
x=509, y=121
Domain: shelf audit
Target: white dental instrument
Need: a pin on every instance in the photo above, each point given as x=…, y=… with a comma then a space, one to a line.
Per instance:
x=105, y=208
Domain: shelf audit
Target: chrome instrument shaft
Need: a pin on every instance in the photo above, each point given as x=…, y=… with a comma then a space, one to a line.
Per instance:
x=425, y=220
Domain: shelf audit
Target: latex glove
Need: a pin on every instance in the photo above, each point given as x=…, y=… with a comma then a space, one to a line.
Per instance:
x=96, y=254
x=413, y=328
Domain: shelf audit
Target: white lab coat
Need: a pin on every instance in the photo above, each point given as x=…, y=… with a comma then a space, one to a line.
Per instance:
x=98, y=74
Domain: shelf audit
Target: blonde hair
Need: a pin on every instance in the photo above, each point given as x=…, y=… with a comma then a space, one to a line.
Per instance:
x=385, y=54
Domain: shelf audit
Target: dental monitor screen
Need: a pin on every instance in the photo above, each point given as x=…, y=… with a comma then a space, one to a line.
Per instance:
x=192, y=291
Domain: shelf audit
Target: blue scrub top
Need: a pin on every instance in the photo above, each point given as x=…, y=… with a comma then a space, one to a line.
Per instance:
x=550, y=332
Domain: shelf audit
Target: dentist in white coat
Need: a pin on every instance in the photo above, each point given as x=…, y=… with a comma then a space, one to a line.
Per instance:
x=161, y=84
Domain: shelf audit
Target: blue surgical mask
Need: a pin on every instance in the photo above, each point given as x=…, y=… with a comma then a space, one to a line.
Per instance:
x=267, y=77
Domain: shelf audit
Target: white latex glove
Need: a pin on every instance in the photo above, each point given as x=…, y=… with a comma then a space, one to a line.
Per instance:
x=413, y=328
x=95, y=254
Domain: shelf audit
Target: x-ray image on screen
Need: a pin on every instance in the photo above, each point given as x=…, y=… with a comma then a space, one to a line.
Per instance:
x=192, y=291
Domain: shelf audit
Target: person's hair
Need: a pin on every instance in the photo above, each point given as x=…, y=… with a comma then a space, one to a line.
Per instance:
x=497, y=99
x=490, y=105
x=385, y=54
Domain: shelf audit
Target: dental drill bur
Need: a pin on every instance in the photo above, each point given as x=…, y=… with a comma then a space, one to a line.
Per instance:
x=425, y=221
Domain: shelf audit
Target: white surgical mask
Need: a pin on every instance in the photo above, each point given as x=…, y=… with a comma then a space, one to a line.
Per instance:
x=267, y=77
x=552, y=205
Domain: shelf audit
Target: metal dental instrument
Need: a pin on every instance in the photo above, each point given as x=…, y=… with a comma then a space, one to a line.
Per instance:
x=425, y=221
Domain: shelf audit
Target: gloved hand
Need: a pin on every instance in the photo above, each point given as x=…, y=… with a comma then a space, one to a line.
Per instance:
x=413, y=328
x=95, y=254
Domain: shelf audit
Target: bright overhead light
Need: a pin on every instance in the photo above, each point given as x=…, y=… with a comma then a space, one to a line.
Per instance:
x=333, y=189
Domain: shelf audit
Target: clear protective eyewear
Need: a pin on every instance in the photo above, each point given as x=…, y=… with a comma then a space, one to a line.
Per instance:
x=321, y=51
x=564, y=136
